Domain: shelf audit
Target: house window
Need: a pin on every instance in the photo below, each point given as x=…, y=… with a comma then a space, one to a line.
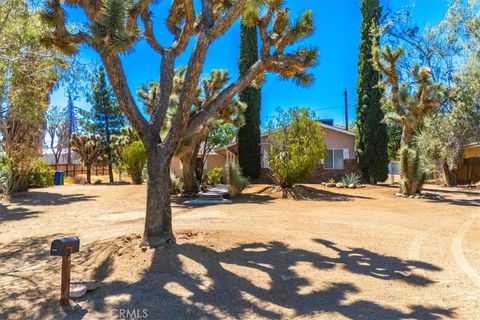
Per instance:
x=334, y=159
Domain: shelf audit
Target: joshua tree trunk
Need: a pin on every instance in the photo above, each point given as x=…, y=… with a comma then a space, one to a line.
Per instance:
x=110, y=169
x=89, y=173
x=450, y=175
x=158, y=222
x=406, y=136
x=188, y=172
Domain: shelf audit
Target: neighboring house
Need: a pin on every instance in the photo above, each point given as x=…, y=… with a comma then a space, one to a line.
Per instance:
x=469, y=171
x=49, y=157
x=339, y=161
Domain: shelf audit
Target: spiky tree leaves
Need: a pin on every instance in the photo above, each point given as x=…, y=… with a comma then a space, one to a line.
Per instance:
x=371, y=139
x=89, y=148
x=115, y=28
x=249, y=153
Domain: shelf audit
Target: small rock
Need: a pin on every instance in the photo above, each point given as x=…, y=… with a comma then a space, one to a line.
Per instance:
x=339, y=185
x=352, y=186
x=331, y=185
x=90, y=284
x=77, y=290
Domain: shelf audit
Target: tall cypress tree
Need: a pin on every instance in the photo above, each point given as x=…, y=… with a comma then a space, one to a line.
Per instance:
x=371, y=140
x=71, y=125
x=106, y=119
x=249, y=154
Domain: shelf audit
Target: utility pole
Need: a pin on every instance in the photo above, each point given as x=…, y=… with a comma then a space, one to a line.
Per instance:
x=345, y=94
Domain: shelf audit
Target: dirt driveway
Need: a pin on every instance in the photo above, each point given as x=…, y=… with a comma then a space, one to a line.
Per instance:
x=336, y=254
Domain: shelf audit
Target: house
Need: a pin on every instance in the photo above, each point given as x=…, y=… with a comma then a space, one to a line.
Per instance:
x=339, y=161
x=469, y=170
x=48, y=157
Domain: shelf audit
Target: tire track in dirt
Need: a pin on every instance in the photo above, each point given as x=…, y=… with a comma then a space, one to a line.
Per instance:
x=457, y=251
x=416, y=244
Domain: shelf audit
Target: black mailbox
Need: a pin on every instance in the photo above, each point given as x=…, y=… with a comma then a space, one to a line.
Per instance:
x=65, y=246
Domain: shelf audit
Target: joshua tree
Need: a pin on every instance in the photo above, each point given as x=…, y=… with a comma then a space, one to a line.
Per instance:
x=89, y=148
x=409, y=109
x=115, y=29
x=188, y=149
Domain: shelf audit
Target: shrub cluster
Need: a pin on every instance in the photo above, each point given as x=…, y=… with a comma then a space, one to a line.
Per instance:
x=40, y=175
x=213, y=176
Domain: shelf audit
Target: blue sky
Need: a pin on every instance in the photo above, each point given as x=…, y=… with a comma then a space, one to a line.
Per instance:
x=337, y=36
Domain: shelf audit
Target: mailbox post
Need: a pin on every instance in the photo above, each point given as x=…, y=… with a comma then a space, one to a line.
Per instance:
x=64, y=247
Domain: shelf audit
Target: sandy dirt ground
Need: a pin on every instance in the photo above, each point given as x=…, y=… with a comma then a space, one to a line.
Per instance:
x=333, y=254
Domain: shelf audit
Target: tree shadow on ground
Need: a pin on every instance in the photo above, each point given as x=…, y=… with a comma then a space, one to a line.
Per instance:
x=459, y=202
x=448, y=197
x=218, y=288
x=7, y=213
x=362, y=261
x=306, y=193
x=45, y=198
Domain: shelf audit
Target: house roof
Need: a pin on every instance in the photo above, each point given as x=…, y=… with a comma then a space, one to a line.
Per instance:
x=265, y=134
x=472, y=151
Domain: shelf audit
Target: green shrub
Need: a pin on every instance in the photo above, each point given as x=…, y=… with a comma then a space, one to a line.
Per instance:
x=40, y=175
x=296, y=146
x=213, y=176
x=176, y=184
x=135, y=159
x=235, y=179
x=98, y=181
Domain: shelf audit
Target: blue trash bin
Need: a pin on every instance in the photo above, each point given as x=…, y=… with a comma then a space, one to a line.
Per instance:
x=56, y=178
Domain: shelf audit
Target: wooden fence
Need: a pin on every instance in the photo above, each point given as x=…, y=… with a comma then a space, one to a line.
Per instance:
x=469, y=172
x=71, y=170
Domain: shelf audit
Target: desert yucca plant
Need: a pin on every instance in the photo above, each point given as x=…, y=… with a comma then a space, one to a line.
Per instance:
x=351, y=178
x=235, y=179
x=412, y=171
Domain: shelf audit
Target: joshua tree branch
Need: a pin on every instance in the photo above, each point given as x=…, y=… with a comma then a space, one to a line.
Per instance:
x=116, y=74
x=187, y=30
x=167, y=72
x=148, y=32
x=208, y=19
x=221, y=100
x=223, y=24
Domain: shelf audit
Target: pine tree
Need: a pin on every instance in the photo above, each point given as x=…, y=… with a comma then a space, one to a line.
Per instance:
x=106, y=119
x=71, y=123
x=249, y=153
x=371, y=140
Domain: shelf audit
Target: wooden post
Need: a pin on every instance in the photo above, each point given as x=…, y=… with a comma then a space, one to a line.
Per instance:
x=65, y=289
